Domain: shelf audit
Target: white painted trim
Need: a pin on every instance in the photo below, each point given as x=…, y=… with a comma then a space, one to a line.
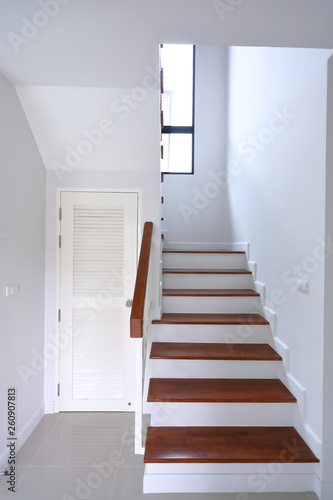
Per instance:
x=148, y=369
x=313, y=440
x=300, y=393
x=227, y=483
x=309, y=436
x=32, y=423
x=318, y=487
x=139, y=450
x=261, y=288
x=253, y=268
x=271, y=316
x=300, y=415
x=323, y=489
x=226, y=468
x=284, y=352
x=60, y=190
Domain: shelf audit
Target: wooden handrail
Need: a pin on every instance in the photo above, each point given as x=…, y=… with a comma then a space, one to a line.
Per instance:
x=139, y=296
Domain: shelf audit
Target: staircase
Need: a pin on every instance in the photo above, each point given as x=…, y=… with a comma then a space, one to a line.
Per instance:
x=221, y=419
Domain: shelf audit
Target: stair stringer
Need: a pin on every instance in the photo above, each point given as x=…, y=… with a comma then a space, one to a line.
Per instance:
x=285, y=375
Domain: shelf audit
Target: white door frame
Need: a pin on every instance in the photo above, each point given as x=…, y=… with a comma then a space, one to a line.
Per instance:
x=57, y=271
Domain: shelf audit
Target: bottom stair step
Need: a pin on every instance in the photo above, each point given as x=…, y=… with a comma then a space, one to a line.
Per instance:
x=226, y=445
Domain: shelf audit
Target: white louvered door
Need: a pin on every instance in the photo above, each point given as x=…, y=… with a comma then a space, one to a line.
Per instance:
x=98, y=259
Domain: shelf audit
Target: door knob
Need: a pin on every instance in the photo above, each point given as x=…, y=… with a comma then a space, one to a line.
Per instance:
x=129, y=302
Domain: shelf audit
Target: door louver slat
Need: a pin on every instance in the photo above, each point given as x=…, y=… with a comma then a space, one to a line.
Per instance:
x=98, y=247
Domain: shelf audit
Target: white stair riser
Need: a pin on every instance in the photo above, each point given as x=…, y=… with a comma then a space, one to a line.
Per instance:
x=220, y=414
x=260, y=481
x=212, y=333
x=232, y=468
x=215, y=369
x=204, y=261
x=215, y=281
x=212, y=305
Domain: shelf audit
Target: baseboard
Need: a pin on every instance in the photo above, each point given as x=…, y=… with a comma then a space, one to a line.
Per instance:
x=30, y=426
x=309, y=436
x=271, y=316
x=24, y=433
x=323, y=489
x=253, y=268
x=261, y=288
x=300, y=415
x=282, y=349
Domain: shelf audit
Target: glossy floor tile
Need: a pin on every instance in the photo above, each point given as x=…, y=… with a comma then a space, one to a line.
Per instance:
x=81, y=456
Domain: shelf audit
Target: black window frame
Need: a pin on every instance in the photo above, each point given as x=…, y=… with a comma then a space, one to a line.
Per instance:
x=174, y=129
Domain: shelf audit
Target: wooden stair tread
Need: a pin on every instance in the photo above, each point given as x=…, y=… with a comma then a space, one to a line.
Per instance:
x=167, y=270
x=205, y=251
x=211, y=351
x=210, y=319
x=226, y=445
x=210, y=292
x=195, y=390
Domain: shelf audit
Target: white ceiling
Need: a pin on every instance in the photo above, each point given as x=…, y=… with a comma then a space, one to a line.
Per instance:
x=112, y=45
x=108, y=43
x=79, y=45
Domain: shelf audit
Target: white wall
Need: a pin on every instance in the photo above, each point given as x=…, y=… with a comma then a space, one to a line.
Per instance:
x=277, y=136
x=109, y=129
x=327, y=484
x=191, y=202
x=94, y=139
x=22, y=240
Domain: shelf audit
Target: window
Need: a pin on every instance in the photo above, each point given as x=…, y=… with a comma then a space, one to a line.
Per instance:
x=177, y=103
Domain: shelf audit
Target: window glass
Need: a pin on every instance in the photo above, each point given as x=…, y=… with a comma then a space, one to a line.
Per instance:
x=177, y=153
x=177, y=104
x=177, y=100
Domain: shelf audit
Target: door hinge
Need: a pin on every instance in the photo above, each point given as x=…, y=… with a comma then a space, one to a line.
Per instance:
x=59, y=315
x=58, y=390
x=60, y=213
x=59, y=241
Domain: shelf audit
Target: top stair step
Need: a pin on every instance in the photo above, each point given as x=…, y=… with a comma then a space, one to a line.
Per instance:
x=232, y=252
x=209, y=292
x=167, y=270
x=209, y=259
